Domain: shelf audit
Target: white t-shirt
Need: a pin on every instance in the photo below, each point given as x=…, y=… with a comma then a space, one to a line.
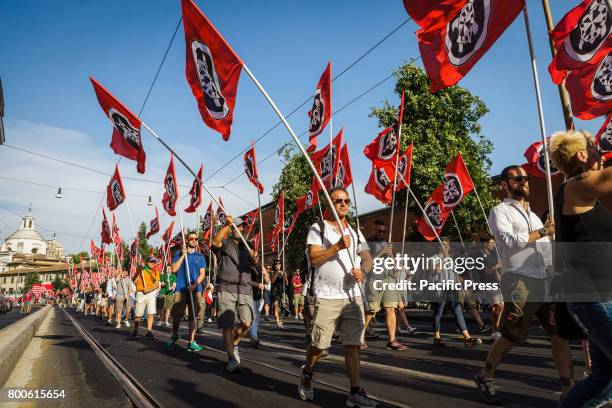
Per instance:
x=333, y=279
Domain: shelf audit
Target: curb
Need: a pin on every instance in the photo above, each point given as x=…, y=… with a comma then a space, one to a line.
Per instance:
x=13, y=342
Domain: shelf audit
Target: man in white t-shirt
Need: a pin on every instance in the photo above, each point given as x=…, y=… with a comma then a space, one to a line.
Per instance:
x=338, y=297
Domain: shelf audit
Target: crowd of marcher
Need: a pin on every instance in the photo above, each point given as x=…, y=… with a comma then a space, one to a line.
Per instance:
x=333, y=290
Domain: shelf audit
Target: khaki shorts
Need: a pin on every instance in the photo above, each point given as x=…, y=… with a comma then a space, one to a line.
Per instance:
x=234, y=309
x=298, y=300
x=121, y=301
x=145, y=301
x=347, y=315
x=167, y=301
x=381, y=298
x=181, y=301
x=519, y=309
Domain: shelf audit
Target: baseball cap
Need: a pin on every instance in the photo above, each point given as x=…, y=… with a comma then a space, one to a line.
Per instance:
x=238, y=221
x=152, y=259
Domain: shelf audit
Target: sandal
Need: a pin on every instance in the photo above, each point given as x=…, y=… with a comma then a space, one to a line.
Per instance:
x=471, y=342
x=438, y=342
x=279, y=324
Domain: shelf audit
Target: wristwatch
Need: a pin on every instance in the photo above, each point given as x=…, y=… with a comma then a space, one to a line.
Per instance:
x=543, y=232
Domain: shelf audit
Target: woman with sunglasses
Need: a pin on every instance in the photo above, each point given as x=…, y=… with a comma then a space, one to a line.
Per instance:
x=585, y=280
x=278, y=279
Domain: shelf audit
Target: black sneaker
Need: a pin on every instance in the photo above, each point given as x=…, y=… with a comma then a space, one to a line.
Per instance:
x=134, y=334
x=486, y=388
x=324, y=355
x=150, y=335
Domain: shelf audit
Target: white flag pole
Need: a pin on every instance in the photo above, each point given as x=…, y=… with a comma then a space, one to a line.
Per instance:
x=260, y=231
x=486, y=220
x=178, y=207
x=536, y=83
x=308, y=160
x=404, y=229
x=457, y=227
x=196, y=176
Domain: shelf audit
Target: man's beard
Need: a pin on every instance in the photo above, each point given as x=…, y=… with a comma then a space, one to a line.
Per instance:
x=519, y=192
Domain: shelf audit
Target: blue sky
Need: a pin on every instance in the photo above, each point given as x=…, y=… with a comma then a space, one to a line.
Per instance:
x=49, y=48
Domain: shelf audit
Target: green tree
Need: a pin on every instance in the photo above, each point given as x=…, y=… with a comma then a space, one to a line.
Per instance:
x=143, y=245
x=31, y=278
x=76, y=257
x=58, y=283
x=441, y=125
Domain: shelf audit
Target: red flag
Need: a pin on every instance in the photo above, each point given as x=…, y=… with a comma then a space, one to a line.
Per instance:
x=326, y=159
x=221, y=214
x=255, y=240
x=250, y=218
x=212, y=69
x=581, y=37
x=536, y=162
x=590, y=89
x=321, y=107
x=177, y=240
x=195, y=192
x=207, y=219
x=290, y=223
x=134, y=249
x=115, y=195
x=448, y=195
x=250, y=168
x=93, y=249
x=380, y=183
x=127, y=139
x=279, y=212
x=168, y=233
x=106, y=233
x=116, y=237
x=344, y=175
x=426, y=12
x=604, y=138
x=404, y=168
x=153, y=225
x=309, y=200
x=171, y=194
x=451, y=46
x=384, y=147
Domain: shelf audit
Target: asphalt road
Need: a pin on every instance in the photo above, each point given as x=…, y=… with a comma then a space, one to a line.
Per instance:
x=6, y=319
x=422, y=376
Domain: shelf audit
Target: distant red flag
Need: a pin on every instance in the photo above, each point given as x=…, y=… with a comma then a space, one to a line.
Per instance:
x=134, y=249
x=279, y=212
x=153, y=225
x=326, y=159
x=171, y=193
x=250, y=219
x=207, y=219
x=250, y=168
x=384, y=147
x=404, y=168
x=255, y=240
x=448, y=195
x=427, y=12
x=115, y=195
x=95, y=251
x=290, y=223
x=221, y=214
x=212, y=69
x=127, y=139
x=604, y=138
x=195, y=192
x=116, y=237
x=309, y=200
x=536, y=163
x=344, y=175
x=106, y=233
x=451, y=46
x=581, y=37
x=590, y=89
x=168, y=233
x=380, y=183
x=321, y=110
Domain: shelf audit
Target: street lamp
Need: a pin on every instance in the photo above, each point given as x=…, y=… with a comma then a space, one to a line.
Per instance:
x=150, y=202
x=59, y=193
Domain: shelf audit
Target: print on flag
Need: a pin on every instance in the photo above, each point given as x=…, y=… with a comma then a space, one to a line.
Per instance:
x=195, y=192
x=115, y=195
x=321, y=110
x=170, y=196
x=604, y=138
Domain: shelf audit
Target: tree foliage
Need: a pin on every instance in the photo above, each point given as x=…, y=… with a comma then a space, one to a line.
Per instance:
x=441, y=125
x=58, y=283
x=31, y=278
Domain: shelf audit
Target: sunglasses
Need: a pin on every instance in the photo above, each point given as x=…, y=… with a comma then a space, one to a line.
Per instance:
x=192, y=239
x=381, y=231
x=519, y=179
x=341, y=201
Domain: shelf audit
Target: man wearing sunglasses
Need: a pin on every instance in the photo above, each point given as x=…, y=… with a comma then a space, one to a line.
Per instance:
x=524, y=245
x=185, y=293
x=338, y=301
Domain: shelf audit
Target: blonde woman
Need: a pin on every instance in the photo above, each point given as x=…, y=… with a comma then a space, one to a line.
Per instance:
x=585, y=282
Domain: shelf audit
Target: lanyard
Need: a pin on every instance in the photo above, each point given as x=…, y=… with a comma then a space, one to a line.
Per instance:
x=527, y=217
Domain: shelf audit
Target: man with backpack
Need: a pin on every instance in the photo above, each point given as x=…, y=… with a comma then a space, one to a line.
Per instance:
x=338, y=302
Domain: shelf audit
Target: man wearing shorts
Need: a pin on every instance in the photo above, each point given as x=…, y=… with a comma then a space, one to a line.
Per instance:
x=234, y=295
x=188, y=289
x=525, y=250
x=338, y=297
x=147, y=284
x=386, y=298
x=166, y=295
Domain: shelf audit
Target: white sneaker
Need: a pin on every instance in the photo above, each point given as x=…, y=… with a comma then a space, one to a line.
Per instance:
x=233, y=365
x=305, y=391
x=209, y=320
x=496, y=335
x=167, y=324
x=127, y=324
x=237, y=354
x=118, y=326
x=360, y=400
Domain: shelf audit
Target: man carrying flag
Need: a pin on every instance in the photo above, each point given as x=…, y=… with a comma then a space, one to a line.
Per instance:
x=147, y=284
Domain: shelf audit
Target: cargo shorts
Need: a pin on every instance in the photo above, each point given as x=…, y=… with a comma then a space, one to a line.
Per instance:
x=346, y=314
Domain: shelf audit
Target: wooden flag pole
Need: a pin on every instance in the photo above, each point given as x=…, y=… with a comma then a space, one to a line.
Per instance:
x=308, y=160
x=196, y=176
x=536, y=82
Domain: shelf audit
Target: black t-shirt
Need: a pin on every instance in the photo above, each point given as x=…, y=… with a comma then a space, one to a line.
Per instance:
x=256, y=277
x=488, y=275
x=234, y=269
